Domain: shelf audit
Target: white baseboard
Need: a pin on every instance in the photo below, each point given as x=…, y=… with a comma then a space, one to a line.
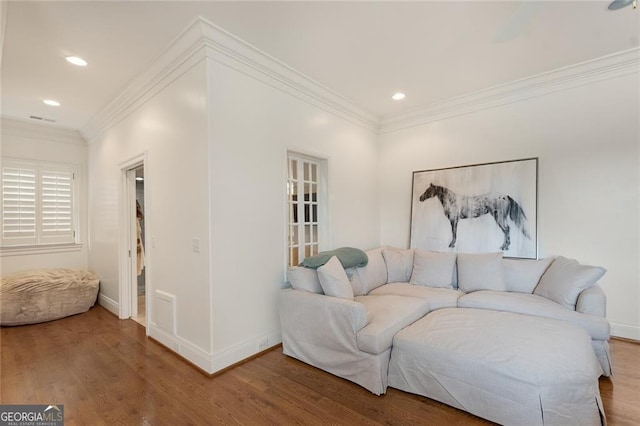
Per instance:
x=626, y=331
x=243, y=350
x=109, y=304
x=185, y=349
x=212, y=363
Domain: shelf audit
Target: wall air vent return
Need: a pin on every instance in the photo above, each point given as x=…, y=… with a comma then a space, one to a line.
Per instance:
x=35, y=117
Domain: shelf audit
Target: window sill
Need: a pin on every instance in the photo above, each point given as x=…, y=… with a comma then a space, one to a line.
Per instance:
x=44, y=249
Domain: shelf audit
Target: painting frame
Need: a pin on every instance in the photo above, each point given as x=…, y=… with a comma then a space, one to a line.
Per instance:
x=477, y=208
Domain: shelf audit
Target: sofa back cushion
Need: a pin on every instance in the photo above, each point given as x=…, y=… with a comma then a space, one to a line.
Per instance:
x=433, y=269
x=522, y=275
x=565, y=279
x=334, y=280
x=305, y=279
x=369, y=277
x=480, y=271
x=399, y=264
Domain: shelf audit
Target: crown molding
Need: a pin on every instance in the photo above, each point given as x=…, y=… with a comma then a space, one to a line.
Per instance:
x=234, y=52
x=42, y=132
x=202, y=39
x=182, y=53
x=606, y=67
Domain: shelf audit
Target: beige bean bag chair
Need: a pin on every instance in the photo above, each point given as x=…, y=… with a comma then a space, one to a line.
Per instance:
x=47, y=294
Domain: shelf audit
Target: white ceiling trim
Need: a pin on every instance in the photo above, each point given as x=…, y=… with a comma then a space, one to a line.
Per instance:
x=229, y=50
x=607, y=67
x=183, y=52
x=203, y=39
x=28, y=130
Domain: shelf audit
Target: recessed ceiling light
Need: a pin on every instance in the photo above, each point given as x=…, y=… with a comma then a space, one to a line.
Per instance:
x=51, y=102
x=139, y=178
x=77, y=61
x=398, y=96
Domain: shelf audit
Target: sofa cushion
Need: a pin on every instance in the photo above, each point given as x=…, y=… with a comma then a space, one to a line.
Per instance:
x=437, y=298
x=508, y=368
x=386, y=315
x=531, y=304
x=565, y=279
x=480, y=271
x=373, y=275
x=433, y=269
x=399, y=264
x=305, y=279
x=334, y=280
x=522, y=275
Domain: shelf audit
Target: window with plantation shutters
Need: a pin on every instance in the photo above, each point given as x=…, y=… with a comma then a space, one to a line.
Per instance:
x=38, y=204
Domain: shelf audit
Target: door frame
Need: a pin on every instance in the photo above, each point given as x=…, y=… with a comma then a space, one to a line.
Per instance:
x=127, y=238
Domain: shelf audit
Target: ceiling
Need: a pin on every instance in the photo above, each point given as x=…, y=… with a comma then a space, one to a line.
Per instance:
x=364, y=51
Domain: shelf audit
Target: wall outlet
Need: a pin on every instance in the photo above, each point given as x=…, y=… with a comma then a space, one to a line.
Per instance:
x=263, y=345
x=195, y=245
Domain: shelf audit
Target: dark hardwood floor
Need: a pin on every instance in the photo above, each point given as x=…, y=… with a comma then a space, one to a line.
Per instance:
x=105, y=371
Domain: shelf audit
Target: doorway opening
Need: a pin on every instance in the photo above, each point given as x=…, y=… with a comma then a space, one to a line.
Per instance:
x=135, y=276
x=139, y=286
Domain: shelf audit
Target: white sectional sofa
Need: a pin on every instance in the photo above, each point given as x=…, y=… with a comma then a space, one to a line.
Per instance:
x=345, y=321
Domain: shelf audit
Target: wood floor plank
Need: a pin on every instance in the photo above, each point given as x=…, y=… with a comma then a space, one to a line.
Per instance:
x=107, y=372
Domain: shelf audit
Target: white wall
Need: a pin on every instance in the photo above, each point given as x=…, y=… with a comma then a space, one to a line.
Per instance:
x=587, y=140
x=217, y=172
x=36, y=142
x=171, y=128
x=216, y=138
x=252, y=125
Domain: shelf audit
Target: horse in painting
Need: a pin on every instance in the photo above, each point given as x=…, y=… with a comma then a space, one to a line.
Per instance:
x=500, y=207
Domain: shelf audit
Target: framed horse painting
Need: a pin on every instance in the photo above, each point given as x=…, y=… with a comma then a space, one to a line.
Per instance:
x=477, y=208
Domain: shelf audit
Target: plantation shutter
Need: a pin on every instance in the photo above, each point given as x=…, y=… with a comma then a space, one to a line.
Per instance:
x=38, y=204
x=19, y=204
x=56, y=205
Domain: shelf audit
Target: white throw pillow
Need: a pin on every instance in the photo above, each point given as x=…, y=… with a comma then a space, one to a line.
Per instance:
x=480, y=271
x=399, y=264
x=523, y=275
x=433, y=269
x=372, y=276
x=305, y=279
x=565, y=279
x=334, y=280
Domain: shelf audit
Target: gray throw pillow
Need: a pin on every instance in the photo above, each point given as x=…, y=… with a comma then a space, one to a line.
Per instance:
x=565, y=279
x=480, y=271
x=433, y=269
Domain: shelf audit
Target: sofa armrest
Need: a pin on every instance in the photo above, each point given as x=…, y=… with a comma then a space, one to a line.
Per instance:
x=592, y=301
x=322, y=320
